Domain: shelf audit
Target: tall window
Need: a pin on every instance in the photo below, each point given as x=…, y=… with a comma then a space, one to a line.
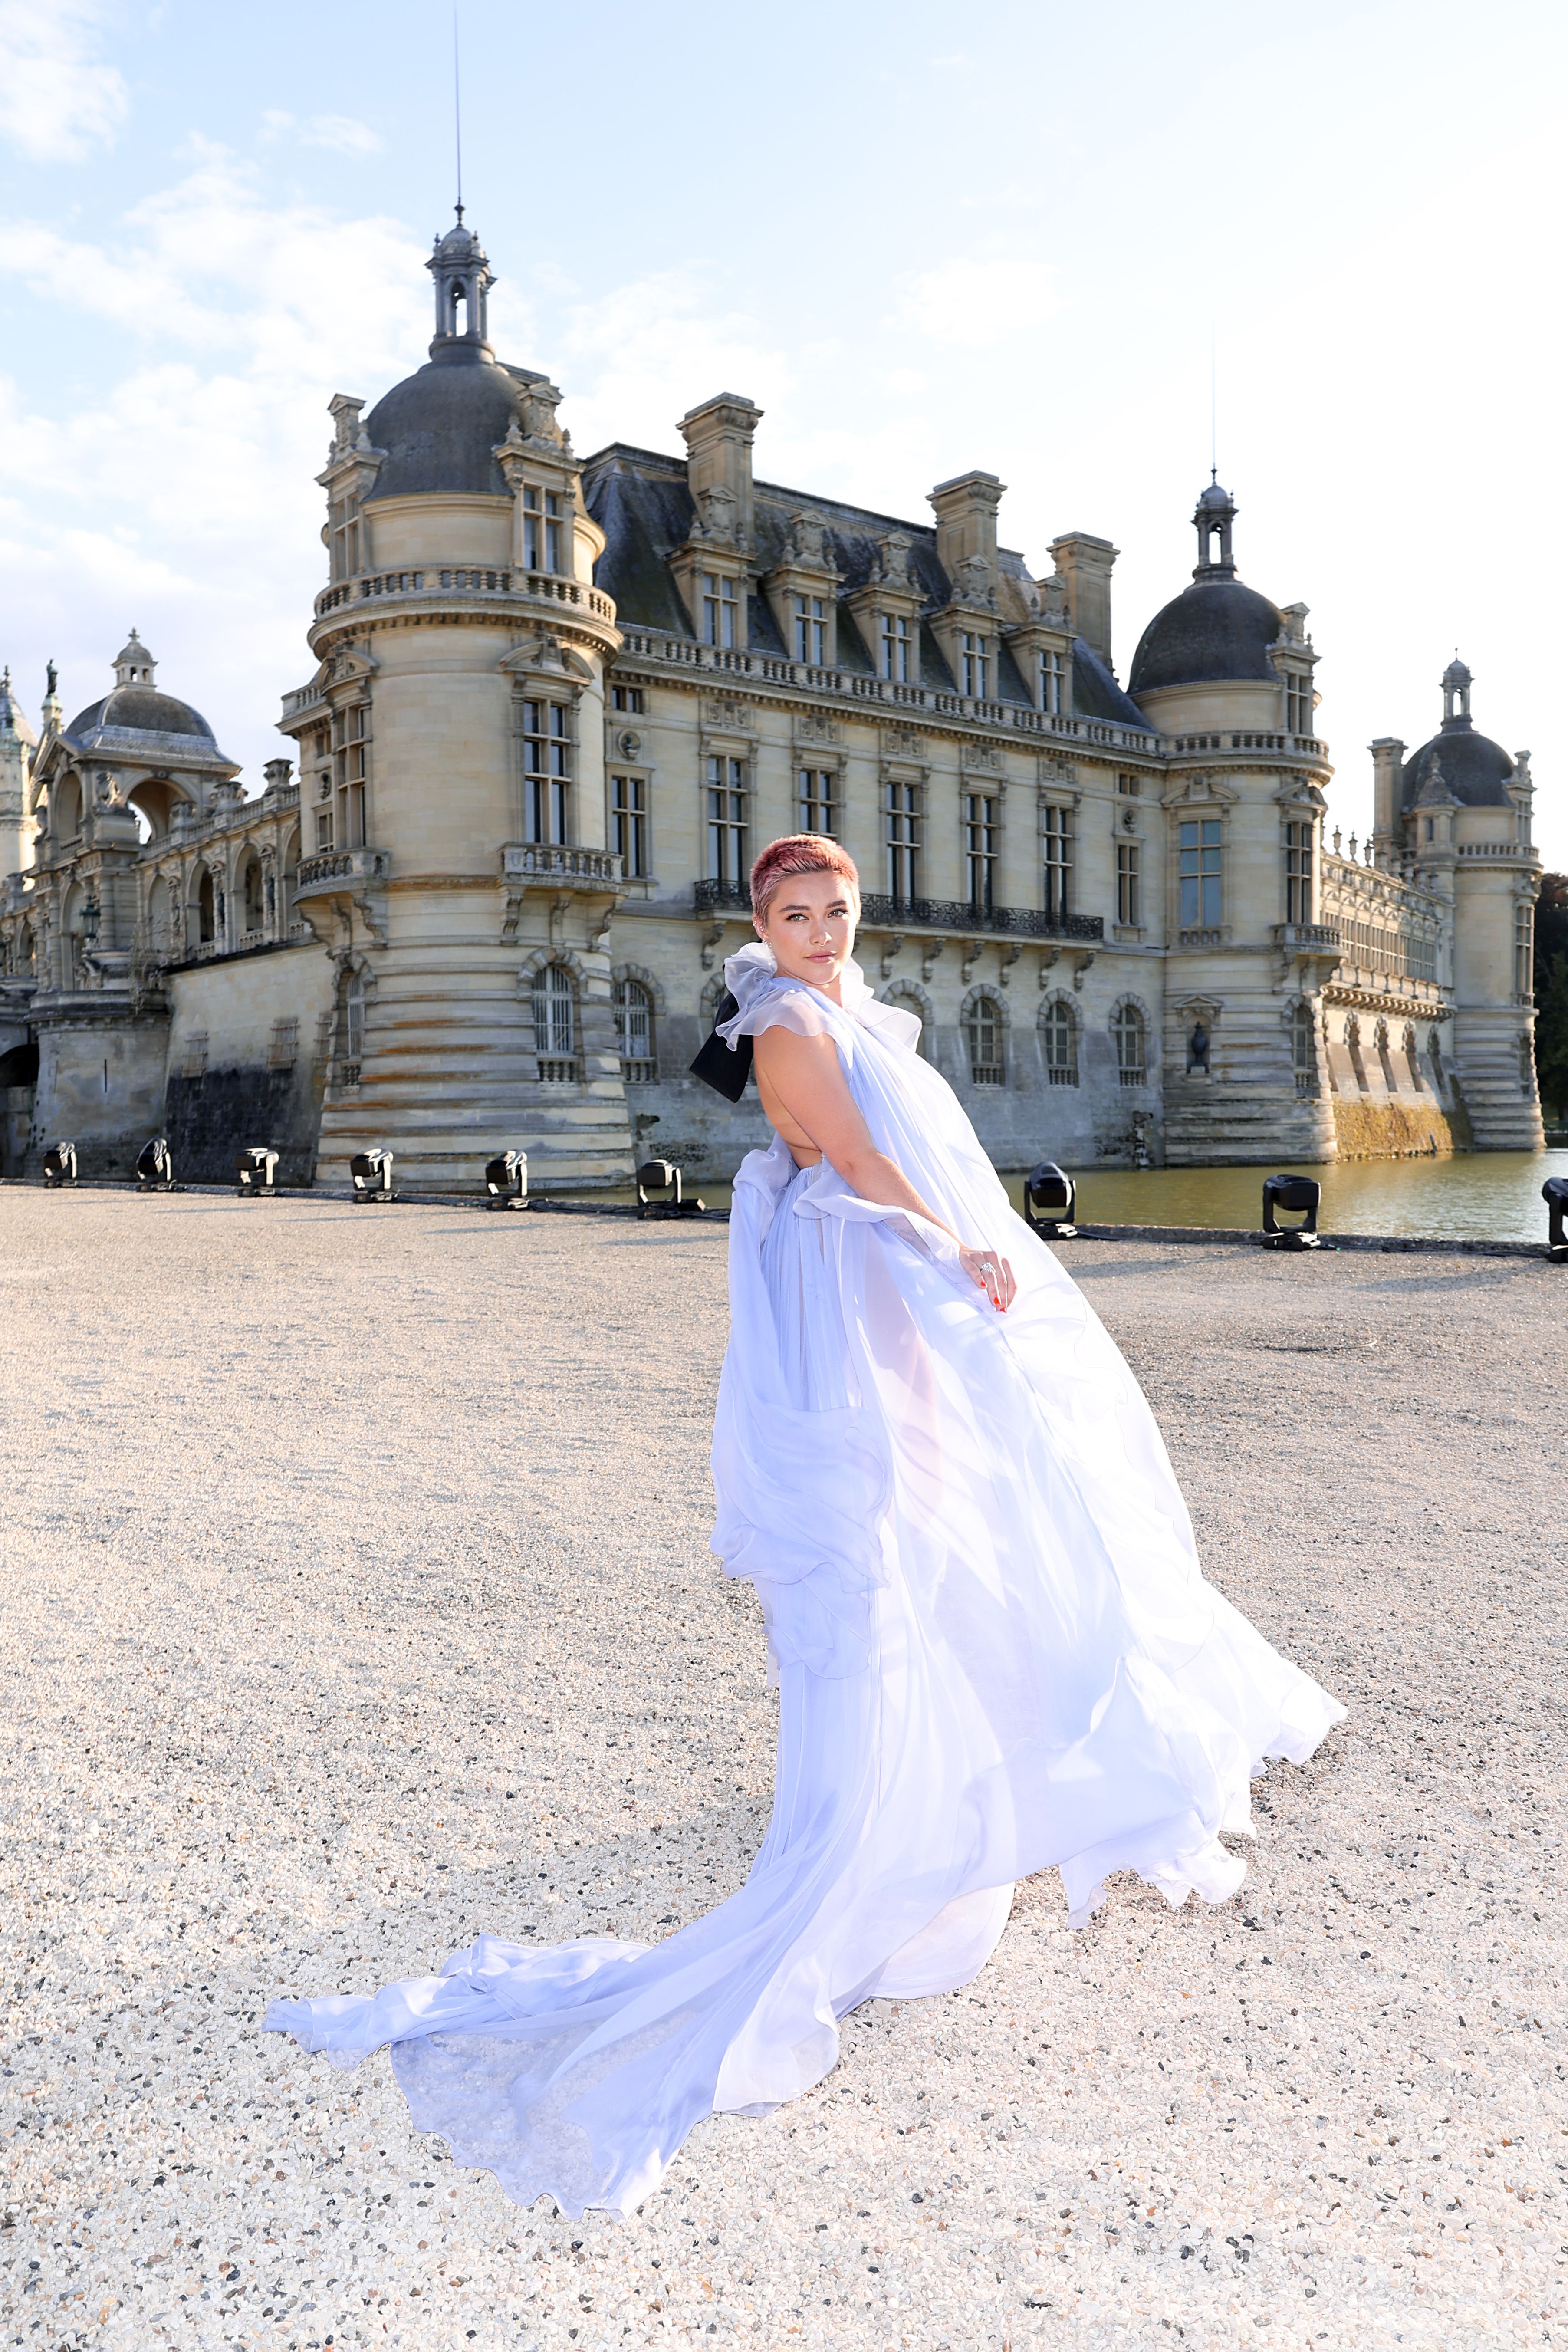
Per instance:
x=721, y=611
x=1298, y=707
x=898, y=648
x=1304, y=1049
x=810, y=630
x=554, y=1010
x=1524, y=950
x=813, y=800
x=1058, y=1029
x=324, y=826
x=633, y=1030
x=351, y=766
x=980, y=843
x=726, y=819
x=982, y=1034
x=1057, y=835
x=1127, y=1029
x=628, y=825
x=902, y=822
x=353, y=1025
x=1051, y=683
x=546, y=770
x=1128, y=879
x=542, y=519
x=1298, y=874
x=976, y=663
x=1199, y=853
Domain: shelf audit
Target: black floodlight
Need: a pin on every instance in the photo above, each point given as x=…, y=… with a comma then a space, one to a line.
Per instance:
x=155, y=1167
x=506, y=1181
x=256, y=1170
x=371, y=1175
x=1299, y=1196
x=1555, y=1192
x=662, y=1176
x=1050, y=1203
x=59, y=1164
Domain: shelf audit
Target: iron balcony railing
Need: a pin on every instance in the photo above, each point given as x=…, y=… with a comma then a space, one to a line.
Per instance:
x=879, y=911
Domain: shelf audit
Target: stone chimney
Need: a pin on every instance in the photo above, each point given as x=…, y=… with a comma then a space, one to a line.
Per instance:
x=966, y=530
x=1387, y=777
x=719, y=436
x=1085, y=563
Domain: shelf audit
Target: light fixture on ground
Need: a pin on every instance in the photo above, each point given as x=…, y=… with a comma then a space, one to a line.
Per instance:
x=59, y=1164
x=370, y=1172
x=506, y=1181
x=1555, y=1192
x=1299, y=1196
x=1050, y=1203
x=256, y=1170
x=662, y=1177
x=155, y=1167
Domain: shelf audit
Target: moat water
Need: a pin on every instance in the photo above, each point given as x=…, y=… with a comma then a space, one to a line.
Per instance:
x=1472, y=1196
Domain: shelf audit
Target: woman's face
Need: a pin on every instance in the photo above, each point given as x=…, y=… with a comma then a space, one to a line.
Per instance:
x=810, y=928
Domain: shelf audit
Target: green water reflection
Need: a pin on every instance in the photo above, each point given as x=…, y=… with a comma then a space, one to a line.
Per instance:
x=1474, y=1196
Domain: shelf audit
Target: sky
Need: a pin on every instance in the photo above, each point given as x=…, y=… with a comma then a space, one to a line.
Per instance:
x=1070, y=246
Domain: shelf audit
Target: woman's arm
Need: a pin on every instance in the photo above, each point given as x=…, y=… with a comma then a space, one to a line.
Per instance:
x=806, y=1076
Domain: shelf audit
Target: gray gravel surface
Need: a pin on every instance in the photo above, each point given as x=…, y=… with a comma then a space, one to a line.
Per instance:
x=356, y=1598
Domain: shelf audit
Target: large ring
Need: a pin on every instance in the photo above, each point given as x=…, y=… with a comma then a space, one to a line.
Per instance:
x=987, y=1266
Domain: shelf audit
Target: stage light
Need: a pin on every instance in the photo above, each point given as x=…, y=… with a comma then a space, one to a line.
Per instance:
x=1050, y=1203
x=154, y=1167
x=1300, y=1195
x=506, y=1181
x=59, y=1164
x=1555, y=1192
x=371, y=1174
x=256, y=1169
x=662, y=1176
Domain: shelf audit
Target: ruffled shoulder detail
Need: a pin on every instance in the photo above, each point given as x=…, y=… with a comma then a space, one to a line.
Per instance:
x=763, y=1000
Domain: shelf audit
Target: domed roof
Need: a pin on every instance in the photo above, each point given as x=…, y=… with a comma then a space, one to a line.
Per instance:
x=139, y=710
x=440, y=426
x=13, y=720
x=1458, y=760
x=1217, y=628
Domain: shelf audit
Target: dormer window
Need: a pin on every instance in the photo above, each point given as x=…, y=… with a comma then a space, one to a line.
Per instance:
x=1298, y=705
x=1051, y=683
x=898, y=648
x=975, y=660
x=542, y=519
x=810, y=630
x=721, y=611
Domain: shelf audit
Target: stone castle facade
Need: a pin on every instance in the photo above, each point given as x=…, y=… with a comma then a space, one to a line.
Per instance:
x=557, y=706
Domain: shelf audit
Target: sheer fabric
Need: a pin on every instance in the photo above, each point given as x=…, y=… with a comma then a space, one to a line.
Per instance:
x=995, y=1651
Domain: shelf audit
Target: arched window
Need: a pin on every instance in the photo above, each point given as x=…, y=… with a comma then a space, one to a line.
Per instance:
x=1127, y=1029
x=1304, y=1050
x=555, y=1023
x=255, y=912
x=206, y=906
x=633, y=1031
x=1060, y=1034
x=983, y=1033
x=906, y=999
x=1386, y=1059
x=1353, y=1047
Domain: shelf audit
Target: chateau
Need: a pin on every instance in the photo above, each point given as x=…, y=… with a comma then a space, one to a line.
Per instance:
x=558, y=703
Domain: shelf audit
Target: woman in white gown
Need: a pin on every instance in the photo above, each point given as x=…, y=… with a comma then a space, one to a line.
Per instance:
x=993, y=1647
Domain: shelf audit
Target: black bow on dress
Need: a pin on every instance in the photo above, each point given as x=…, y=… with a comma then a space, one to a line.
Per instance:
x=720, y=1064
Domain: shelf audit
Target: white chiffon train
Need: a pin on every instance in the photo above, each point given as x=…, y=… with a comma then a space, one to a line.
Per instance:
x=993, y=1646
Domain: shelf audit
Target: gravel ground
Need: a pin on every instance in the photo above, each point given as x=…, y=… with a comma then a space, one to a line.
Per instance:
x=357, y=1598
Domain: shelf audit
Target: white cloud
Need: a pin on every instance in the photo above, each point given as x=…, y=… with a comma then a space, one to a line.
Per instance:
x=978, y=304
x=57, y=101
x=342, y=133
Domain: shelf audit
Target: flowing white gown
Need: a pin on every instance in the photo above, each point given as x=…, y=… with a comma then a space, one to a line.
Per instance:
x=995, y=1649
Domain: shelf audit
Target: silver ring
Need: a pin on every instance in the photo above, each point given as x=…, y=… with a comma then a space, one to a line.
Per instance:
x=987, y=1266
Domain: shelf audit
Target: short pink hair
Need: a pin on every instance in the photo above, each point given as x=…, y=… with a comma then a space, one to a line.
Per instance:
x=799, y=853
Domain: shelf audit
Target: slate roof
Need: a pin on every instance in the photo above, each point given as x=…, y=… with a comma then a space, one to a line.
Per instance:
x=136, y=710
x=1217, y=628
x=439, y=428
x=1473, y=769
x=640, y=501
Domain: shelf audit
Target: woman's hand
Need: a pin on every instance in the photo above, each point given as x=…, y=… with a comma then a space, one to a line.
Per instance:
x=991, y=1272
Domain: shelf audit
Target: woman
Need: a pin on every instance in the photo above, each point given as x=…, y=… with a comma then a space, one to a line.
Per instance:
x=993, y=1647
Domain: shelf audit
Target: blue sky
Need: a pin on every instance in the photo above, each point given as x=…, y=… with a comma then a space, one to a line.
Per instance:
x=921, y=238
